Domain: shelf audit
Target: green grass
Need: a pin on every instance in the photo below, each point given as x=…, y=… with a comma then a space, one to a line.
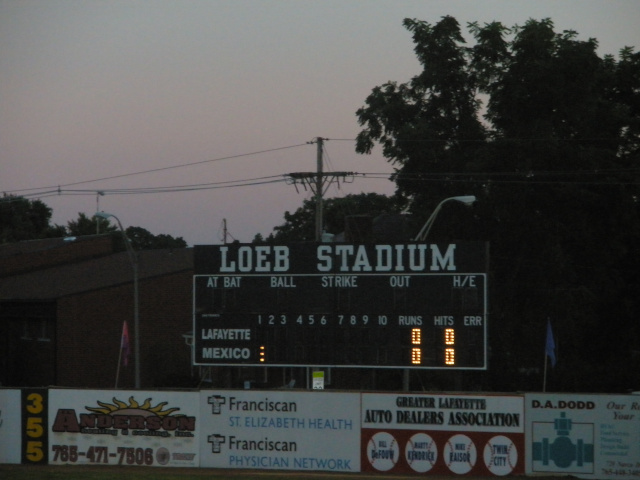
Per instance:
x=85, y=472
x=77, y=472
x=81, y=472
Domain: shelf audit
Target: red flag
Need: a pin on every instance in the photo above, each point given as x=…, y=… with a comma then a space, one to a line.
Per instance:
x=125, y=345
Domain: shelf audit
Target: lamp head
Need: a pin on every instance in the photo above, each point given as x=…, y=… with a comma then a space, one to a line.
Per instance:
x=104, y=215
x=466, y=199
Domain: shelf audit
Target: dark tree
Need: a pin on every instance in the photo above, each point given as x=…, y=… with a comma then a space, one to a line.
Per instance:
x=553, y=161
x=142, y=239
x=300, y=225
x=22, y=219
x=84, y=225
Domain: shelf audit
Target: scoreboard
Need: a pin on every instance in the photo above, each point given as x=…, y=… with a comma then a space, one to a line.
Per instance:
x=410, y=305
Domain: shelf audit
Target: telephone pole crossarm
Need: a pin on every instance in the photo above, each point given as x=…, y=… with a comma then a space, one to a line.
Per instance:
x=310, y=179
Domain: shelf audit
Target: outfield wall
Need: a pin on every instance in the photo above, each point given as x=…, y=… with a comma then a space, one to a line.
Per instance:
x=586, y=436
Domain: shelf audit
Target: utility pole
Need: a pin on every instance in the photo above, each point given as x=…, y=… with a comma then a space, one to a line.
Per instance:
x=316, y=182
x=224, y=231
x=320, y=142
x=98, y=195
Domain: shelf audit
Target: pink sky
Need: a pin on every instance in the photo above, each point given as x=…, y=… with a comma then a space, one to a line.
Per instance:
x=97, y=89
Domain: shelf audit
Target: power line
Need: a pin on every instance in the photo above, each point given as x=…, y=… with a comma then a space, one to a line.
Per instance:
x=491, y=140
x=147, y=190
x=493, y=178
x=529, y=177
x=153, y=170
x=451, y=177
x=49, y=190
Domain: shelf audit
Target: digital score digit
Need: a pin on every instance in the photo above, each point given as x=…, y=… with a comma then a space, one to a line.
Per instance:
x=410, y=305
x=416, y=351
x=263, y=354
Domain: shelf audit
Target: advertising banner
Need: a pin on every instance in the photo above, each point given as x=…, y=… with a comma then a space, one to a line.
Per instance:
x=443, y=434
x=587, y=436
x=35, y=438
x=10, y=426
x=120, y=427
x=280, y=430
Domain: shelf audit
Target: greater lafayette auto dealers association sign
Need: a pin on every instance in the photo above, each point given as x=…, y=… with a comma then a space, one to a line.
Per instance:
x=443, y=434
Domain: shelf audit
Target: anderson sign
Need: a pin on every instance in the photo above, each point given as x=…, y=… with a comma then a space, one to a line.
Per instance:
x=111, y=427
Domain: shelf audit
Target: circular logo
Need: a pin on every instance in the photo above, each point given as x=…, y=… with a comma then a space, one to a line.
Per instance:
x=163, y=456
x=500, y=455
x=383, y=451
x=421, y=452
x=460, y=454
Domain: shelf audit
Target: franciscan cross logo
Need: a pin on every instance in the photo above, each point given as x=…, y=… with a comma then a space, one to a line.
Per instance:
x=216, y=402
x=216, y=441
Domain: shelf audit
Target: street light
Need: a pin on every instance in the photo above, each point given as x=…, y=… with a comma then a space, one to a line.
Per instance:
x=424, y=231
x=136, y=318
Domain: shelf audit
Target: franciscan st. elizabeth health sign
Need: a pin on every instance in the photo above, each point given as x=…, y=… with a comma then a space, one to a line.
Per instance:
x=280, y=430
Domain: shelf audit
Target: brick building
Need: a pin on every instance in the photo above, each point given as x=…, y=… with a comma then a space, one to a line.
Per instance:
x=63, y=303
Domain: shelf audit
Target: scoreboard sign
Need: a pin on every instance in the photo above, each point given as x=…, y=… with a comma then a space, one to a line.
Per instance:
x=409, y=305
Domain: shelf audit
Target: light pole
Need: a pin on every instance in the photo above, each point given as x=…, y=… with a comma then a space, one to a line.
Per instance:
x=136, y=317
x=424, y=231
x=422, y=236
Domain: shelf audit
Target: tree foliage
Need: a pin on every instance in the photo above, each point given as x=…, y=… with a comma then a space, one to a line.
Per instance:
x=142, y=239
x=300, y=225
x=85, y=225
x=22, y=219
x=546, y=134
